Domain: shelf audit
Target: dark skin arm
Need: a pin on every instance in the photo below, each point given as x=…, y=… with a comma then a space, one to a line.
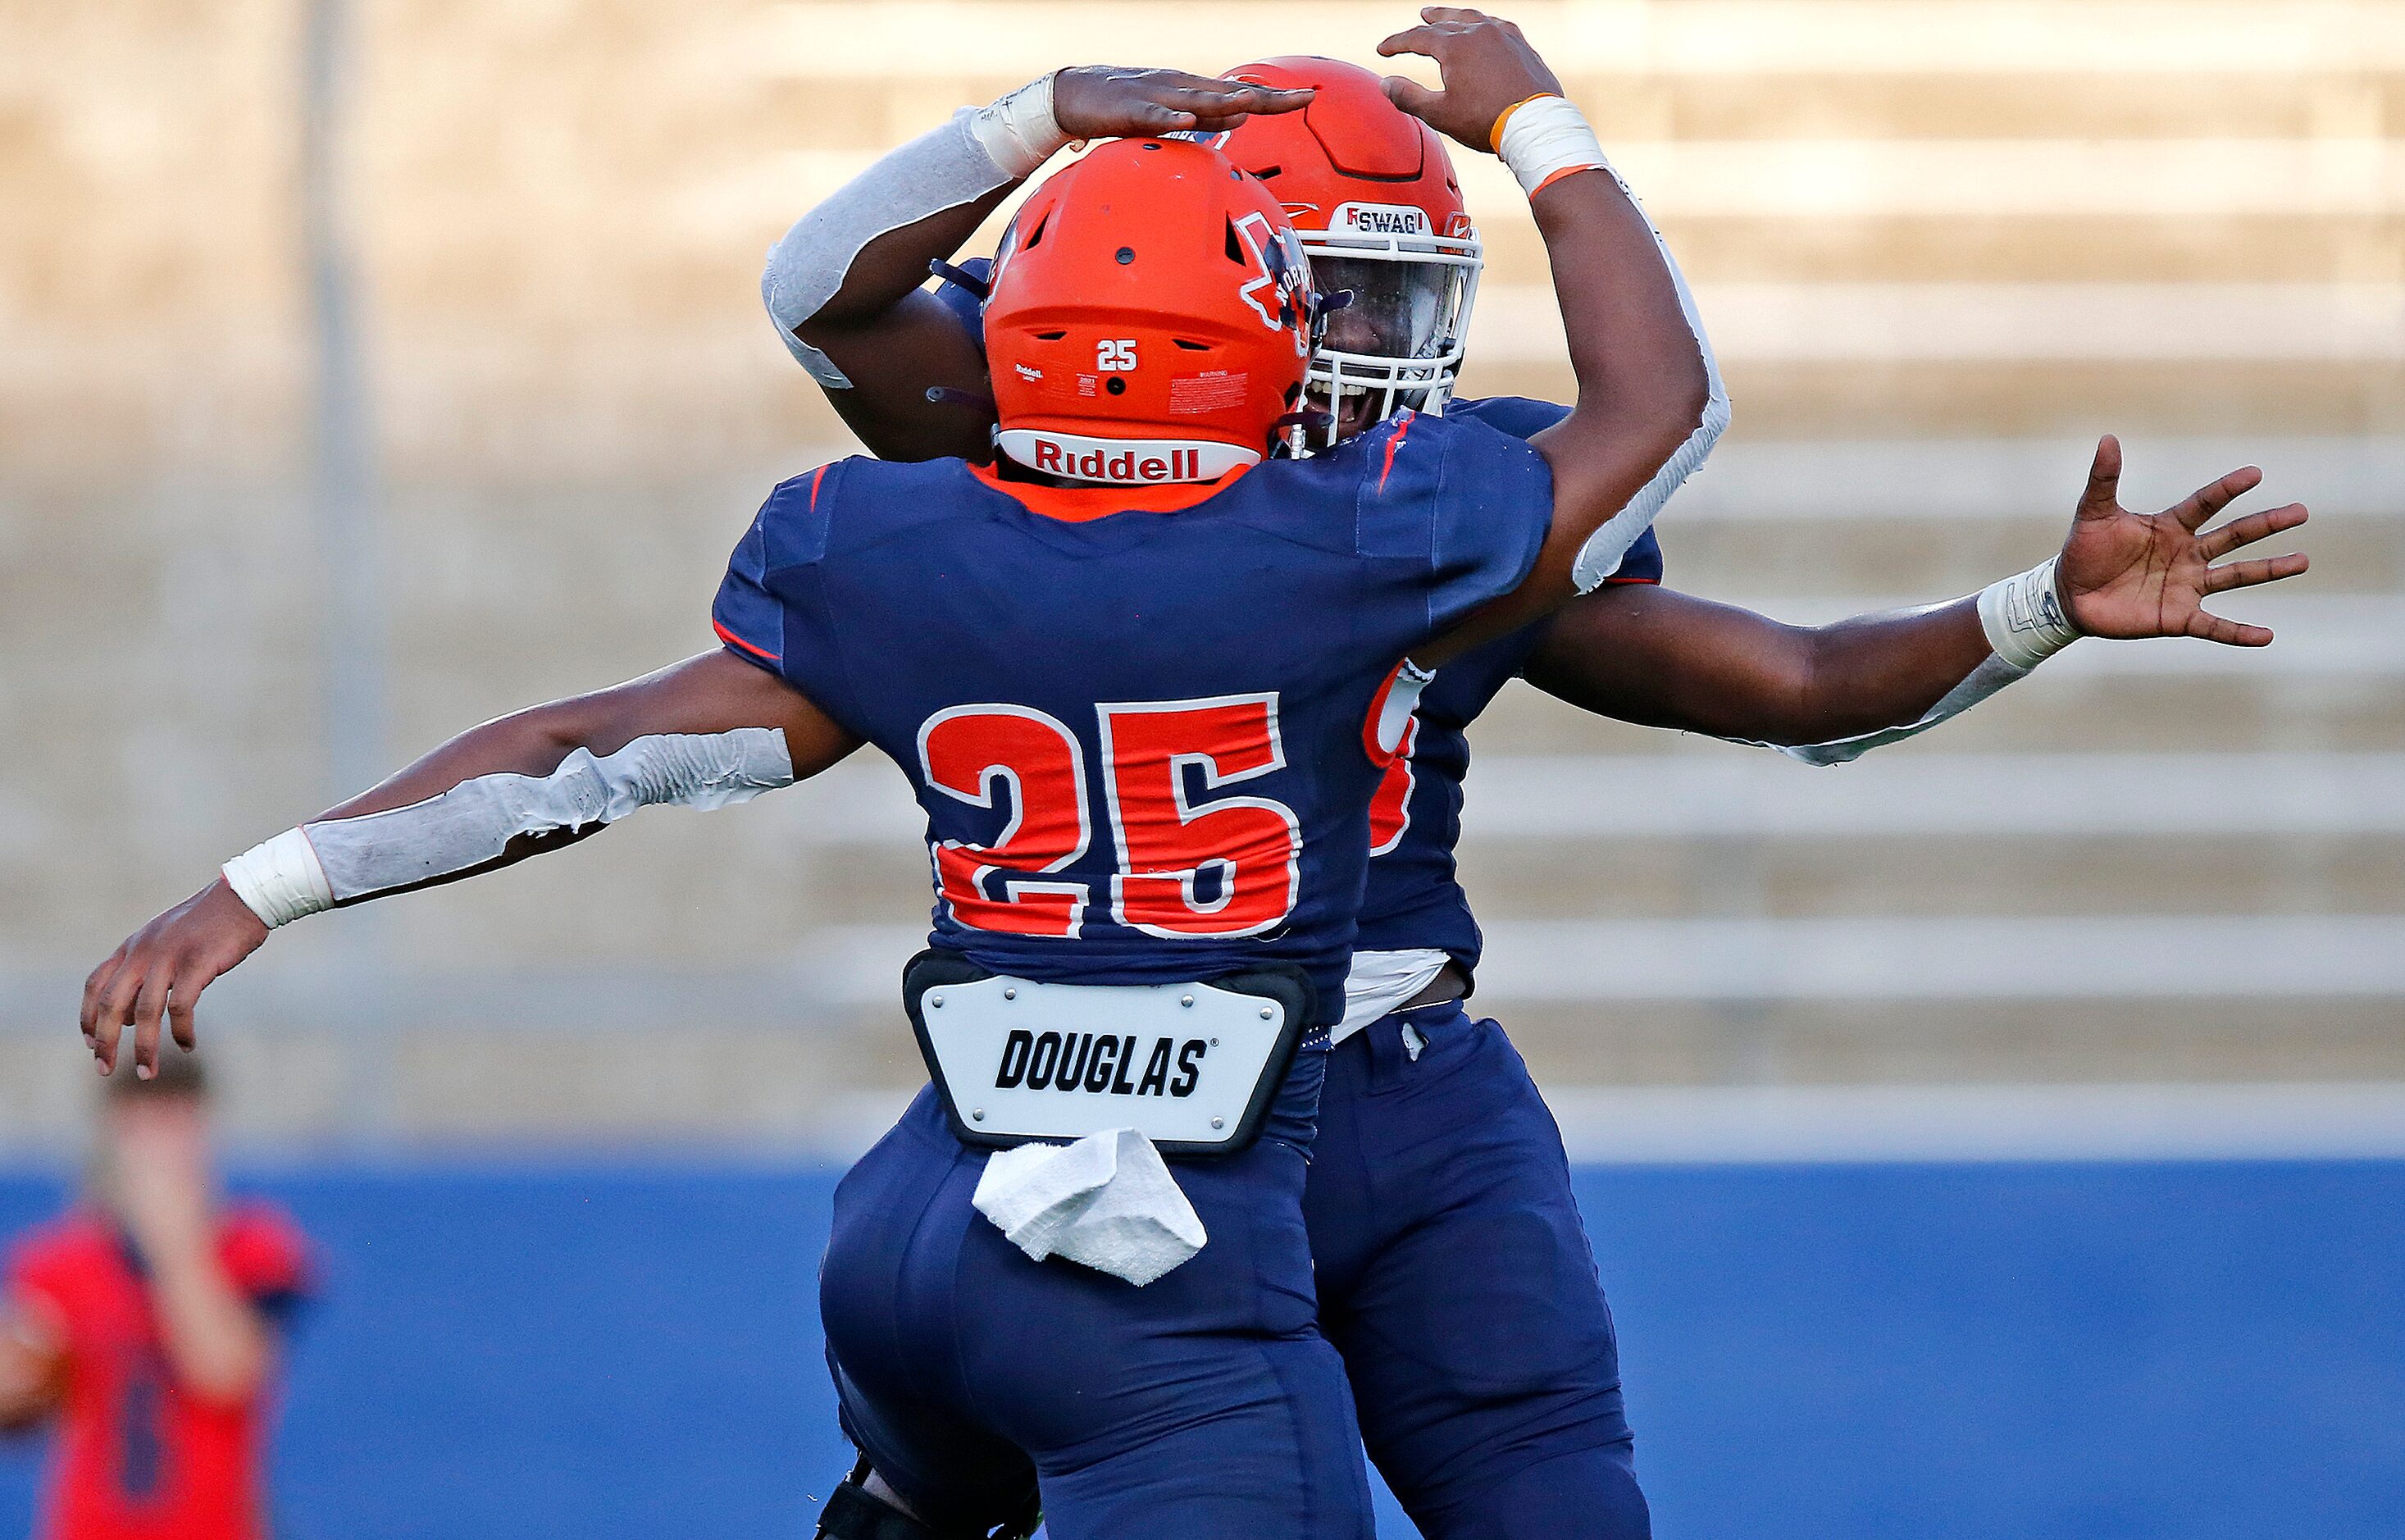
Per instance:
x=1641, y=385
x=160, y=969
x=893, y=340
x=1650, y=656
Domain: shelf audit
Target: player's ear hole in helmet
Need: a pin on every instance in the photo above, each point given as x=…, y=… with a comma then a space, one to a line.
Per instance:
x=1376, y=206
x=1149, y=319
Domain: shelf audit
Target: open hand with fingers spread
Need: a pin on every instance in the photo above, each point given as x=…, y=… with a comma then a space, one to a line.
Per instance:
x=1487, y=66
x=1110, y=102
x=2127, y=574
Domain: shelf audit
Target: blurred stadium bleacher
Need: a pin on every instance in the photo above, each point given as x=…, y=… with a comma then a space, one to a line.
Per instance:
x=515, y=382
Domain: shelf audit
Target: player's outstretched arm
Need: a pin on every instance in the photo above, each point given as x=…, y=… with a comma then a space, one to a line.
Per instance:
x=705, y=732
x=844, y=284
x=1828, y=694
x=1649, y=407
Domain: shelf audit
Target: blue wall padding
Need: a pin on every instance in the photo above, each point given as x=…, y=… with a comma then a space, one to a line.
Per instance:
x=2114, y=1351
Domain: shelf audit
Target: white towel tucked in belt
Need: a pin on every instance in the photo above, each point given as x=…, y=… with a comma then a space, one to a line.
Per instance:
x=1107, y=1201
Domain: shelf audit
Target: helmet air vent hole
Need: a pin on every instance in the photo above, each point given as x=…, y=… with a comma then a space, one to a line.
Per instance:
x=1126, y=255
x=1037, y=234
x=1267, y=172
x=1235, y=249
x=1192, y=347
x=1049, y=336
x=1116, y=386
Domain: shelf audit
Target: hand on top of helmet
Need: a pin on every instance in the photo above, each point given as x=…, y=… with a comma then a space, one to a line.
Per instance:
x=1110, y=102
x=1486, y=66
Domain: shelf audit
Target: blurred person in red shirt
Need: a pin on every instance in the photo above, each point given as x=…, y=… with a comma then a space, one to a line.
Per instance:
x=144, y=1322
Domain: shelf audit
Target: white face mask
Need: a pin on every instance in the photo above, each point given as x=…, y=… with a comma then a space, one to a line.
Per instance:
x=1398, y=341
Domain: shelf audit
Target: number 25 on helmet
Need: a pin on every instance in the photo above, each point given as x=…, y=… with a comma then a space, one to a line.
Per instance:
x=1150, y=319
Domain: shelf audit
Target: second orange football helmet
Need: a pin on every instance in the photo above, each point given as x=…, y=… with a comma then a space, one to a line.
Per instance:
x=1373, y=199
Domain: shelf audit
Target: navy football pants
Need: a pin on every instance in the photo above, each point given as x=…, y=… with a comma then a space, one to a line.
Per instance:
x=1455, y=1277
x=1205, y=1407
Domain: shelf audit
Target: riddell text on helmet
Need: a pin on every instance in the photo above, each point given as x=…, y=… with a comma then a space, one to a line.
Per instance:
x=1095, y=465
x=1124, y=462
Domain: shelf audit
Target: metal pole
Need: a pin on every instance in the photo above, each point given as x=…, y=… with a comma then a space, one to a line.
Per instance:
x=343, y=508
x=342, y=472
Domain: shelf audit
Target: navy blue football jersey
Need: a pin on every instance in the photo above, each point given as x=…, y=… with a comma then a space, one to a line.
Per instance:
x=1413, y=898
x=1141, y=739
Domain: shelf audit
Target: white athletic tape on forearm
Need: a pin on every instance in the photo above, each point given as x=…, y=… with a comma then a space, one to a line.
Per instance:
x=473, y=824
x=2024, y=617
x=1019, y=132
x=980, y=150
x=280, y=878
x=1543, y=140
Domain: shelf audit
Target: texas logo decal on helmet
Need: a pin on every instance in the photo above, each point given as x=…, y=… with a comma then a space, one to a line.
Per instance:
x=1150, y=318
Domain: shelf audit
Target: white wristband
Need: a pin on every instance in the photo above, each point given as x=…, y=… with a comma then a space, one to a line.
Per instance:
x=2024, y=618
x=280, y=878
x=1019, y=132
x=1545, y=137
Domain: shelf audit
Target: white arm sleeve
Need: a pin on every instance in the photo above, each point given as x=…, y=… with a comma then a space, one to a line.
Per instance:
x=2026, y=624
x=1600, y=556
x=1992, y=675
x=980, y=150
x=337, y=861
x=1546, y=138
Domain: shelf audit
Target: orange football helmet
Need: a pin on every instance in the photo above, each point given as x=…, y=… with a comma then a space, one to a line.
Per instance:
x=1149, y=317
x=1373, y=198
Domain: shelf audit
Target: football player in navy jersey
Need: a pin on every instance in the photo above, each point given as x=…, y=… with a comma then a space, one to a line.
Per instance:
x=1452, y=1270
x=1145, y=681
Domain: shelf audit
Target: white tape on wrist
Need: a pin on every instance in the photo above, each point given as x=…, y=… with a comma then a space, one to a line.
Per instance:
x=1544, y=138
x=2024, y=618
x=1020, y=132
x=280, y=879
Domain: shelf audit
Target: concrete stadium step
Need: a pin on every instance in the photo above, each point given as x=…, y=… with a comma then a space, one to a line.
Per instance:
x=1971, y=323
x=2057, y=715
x=1853, y=399
x=1975, y=247
x=1686, y=1125
x=1939, y=480
x=1923, y=1042
x=939, y=39
x=2062, y=795
x=1839, y=104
